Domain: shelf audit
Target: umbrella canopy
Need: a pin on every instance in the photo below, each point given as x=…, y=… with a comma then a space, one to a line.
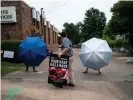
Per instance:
x=32, y=51
x=95, y=53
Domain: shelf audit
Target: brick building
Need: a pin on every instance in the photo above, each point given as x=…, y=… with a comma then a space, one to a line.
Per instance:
x=18, y=20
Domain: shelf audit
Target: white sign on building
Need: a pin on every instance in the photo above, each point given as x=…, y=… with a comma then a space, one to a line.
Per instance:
x=8, y=14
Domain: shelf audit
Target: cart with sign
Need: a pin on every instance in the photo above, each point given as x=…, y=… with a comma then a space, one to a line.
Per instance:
x=58, y=70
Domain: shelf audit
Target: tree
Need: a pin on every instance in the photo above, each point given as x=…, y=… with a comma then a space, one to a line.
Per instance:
x=72, y=31
x=79, y=27
x=122, y=20
x=107, y=32
x=94, y=23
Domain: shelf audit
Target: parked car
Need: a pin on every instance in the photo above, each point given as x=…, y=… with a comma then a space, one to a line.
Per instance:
x=76, y=46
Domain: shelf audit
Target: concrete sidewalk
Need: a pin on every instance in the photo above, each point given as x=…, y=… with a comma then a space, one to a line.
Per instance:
x=115, y=83
x=89, y=90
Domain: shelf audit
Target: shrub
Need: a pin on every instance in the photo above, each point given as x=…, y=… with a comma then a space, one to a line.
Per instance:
x=11, y=45
x=116, y=43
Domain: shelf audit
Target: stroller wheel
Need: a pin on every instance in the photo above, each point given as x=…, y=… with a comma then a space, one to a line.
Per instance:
x=54, y=84
x=49, y=80
x=60, y=86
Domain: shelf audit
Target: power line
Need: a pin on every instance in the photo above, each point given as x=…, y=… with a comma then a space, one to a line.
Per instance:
x=59, y=8
x=57, y=4
x=53, y=4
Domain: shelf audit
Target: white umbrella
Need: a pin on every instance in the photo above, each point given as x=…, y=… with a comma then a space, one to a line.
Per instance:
x=95, y=53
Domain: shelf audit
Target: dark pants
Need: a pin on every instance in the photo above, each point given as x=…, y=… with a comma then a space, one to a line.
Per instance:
x=27, y=67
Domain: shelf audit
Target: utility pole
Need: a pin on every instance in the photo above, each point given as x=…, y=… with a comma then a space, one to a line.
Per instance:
x=42, y=21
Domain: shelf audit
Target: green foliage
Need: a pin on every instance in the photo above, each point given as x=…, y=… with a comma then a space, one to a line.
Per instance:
x=94, y=23
x=11, y=45
x=72, y=31
x=107, y=32
x=122, y=20
x=7, y=67
x=115, y=43
x=82, y=40
x=92, y=26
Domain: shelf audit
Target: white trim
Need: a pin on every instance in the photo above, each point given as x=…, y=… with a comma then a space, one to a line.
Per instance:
x=45, y=22
x=34, y=13
x=38, y=15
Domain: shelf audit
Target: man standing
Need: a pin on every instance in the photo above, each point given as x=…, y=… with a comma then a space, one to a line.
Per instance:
x=27, y=69
x=66, y=49
x=86, y=71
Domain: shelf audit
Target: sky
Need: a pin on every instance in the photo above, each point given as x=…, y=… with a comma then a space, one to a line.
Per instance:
x=72, y=11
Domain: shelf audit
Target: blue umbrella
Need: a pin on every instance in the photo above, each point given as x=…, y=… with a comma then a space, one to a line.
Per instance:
x=32, y=51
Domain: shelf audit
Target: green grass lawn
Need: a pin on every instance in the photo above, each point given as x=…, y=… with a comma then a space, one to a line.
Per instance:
x=7, y=67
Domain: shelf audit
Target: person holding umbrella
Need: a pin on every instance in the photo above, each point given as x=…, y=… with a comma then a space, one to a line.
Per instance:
x=86, y=71
x=27, y=67
x=34, y=70
x=95, y=54
x=66, y=49
x=32, y=51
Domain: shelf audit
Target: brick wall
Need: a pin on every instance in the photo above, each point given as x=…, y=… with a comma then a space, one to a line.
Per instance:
x=26, y=18
x=40, y=25
x=53, y=37
x=46, y=32
x=12, y=30
x=24, y=21
x=51, y=34
x=52, y=45
x=17, y=31
x=56, y=38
